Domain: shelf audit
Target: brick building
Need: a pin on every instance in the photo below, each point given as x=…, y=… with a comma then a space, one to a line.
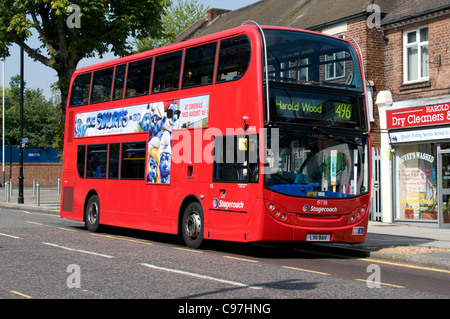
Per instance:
x=414, y=113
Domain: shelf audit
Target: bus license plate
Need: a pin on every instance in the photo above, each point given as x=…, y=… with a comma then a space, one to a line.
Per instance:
x=317, y=237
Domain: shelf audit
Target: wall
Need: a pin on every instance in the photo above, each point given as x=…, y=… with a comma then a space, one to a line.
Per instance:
x=439, y=57
x=46, y=174
x=372, y=47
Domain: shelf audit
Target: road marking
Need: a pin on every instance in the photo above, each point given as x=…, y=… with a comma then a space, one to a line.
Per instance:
x=6, y=235
x=380, y=283
x=190, y=250
x=20, y=294
x=35, y=223
x=373, y=260
x=68, y=229
x=141, y=241
x=242, y=259
x=79, y=250
x=187, y=273
x=307, y=270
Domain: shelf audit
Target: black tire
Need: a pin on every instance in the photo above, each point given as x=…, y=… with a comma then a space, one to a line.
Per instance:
x=92, y=214
x=192, y=225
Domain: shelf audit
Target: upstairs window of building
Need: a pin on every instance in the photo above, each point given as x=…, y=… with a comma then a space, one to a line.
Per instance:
x=415, y=55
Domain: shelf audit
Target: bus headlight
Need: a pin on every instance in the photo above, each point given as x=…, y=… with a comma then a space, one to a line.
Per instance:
x=278, y=212
x=358, y=214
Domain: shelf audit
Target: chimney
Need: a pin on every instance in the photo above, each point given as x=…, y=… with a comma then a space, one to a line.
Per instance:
x=214, y=13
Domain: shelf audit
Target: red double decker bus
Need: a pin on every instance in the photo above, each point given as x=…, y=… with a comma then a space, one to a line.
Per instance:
x=250, y=134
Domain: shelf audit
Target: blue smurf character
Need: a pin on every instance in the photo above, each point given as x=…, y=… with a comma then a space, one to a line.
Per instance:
x=153, y=161
x=155, y=126
x=145, y=123
x=165, y=154
x=156, y=120
x=80, y=128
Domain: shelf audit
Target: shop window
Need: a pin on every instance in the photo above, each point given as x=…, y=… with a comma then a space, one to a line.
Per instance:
x=415, y=55
x=96, y=156
x=416, y=182
x=167, y=72
x=234, y=58
x=199, y=65
x=133, y=161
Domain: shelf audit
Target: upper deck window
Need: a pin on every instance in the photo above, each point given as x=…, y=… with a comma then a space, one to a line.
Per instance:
x=167, y=72
x=199, y=65
x=80, y=90
x=312, y=59
x=138, y=79
x=234, y=58
x=119, y=81
x=101, y=85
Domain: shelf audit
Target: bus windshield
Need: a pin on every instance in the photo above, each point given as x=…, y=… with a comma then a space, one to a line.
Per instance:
x=316, y=165
x=310, y=59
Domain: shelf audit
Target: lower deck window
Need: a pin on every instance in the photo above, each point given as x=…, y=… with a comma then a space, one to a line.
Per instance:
x=133, y=160
x=96, y=161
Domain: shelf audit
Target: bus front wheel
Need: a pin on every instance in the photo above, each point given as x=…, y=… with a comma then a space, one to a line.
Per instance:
x=192, y=225
x=92, y=218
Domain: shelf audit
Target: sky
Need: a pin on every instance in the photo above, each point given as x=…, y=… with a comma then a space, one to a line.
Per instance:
x=37, y=75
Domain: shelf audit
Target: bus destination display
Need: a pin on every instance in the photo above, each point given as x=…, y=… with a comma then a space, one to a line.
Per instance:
x=306, y=106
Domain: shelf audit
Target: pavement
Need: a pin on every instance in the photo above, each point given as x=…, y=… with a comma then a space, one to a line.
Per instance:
x=398, y=243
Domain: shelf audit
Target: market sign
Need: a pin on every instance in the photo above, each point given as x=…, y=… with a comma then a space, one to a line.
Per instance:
x=418, y=116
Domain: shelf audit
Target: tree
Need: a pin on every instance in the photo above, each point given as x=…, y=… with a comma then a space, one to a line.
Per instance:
x=40, y=116
x=67, y=36
x=177, y=18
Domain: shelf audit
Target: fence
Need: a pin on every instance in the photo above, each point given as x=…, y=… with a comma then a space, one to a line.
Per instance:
x=375, y=207
x=41, y=164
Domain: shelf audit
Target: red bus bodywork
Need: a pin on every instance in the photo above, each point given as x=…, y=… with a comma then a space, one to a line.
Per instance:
x=242, y=212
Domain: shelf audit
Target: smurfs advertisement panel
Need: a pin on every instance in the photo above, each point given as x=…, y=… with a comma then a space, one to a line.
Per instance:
x=194, y=111
x=163, y=119
x=131, y=119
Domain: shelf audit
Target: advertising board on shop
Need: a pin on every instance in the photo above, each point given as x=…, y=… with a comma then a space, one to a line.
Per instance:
x=418, y=116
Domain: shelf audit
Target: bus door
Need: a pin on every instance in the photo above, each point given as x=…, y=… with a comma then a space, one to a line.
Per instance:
x=235, y=185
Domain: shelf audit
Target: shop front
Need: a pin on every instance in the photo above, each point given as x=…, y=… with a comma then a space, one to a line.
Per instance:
x=419, y=147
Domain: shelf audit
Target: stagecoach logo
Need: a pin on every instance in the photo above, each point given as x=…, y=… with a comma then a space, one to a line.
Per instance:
x=315, y=209
x=225, y=204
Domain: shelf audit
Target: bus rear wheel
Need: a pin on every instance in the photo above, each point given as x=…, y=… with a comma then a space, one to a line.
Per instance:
x=92, y=214
x=192, y=225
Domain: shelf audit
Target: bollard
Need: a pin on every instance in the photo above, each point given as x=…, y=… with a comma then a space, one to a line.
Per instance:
x=59, y=186
x=10, y=188
x=7, y=192
x=38, y=195
x=34, y=186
